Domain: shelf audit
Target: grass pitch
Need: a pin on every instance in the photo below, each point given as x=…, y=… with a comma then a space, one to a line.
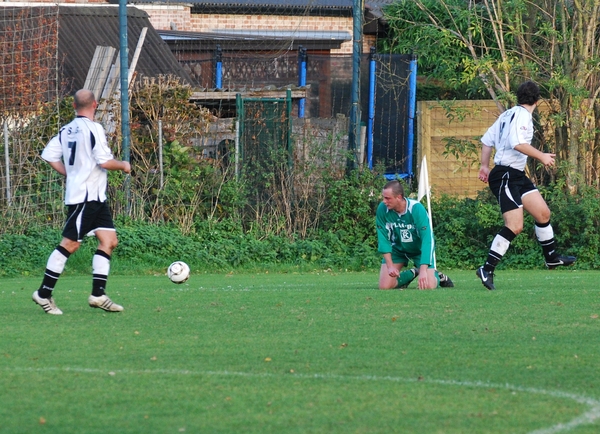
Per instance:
x=304, y=353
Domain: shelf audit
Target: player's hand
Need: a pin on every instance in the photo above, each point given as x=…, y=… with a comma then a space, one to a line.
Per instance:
x=423, y=281
x=424, y=277
x=126, y=166
x=392, y=272
x=548, y=159
x=484, y=173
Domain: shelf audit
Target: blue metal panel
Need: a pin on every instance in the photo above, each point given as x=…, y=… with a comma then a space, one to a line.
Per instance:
x=218, y=68
x=371, y=118
x=412, y=102
x=301, y=78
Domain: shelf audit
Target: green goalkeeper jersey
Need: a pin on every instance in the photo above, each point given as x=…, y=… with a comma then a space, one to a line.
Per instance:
x=409, y=233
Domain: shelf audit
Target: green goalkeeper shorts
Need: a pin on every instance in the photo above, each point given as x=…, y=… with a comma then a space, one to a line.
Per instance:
x=405, y=259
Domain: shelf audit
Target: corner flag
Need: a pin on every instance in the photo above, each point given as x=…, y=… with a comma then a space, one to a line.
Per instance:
x=425, y=190
x=423, y=182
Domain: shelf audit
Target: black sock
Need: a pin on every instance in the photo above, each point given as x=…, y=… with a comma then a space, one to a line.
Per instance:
x=48, y=284
x=545, y=236
x=101, y=267
x=56, y=261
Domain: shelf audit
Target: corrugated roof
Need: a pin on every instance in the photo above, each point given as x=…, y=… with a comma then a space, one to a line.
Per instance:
x=273, y=4
x=287, y=4
x=238, y=40
x=82, y=28
x=263, y=7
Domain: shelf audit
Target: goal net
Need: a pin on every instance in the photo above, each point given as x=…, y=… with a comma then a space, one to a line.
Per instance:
x=29, y=95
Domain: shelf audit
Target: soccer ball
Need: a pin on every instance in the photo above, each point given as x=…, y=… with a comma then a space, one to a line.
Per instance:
x=178, y=272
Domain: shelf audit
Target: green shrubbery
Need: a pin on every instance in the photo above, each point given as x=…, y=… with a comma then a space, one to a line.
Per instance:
x=345, y=240
x=465, y=228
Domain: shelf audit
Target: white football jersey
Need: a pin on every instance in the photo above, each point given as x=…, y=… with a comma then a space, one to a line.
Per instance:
x=512, y=128
x=82, y=146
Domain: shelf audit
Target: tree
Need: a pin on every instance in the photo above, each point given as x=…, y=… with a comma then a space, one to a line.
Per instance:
x=496, y=44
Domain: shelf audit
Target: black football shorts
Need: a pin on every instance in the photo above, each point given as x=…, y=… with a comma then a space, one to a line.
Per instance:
x=84, y=218
x=508, y=186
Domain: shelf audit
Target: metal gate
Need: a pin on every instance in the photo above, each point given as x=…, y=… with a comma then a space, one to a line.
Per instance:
x=264, y=140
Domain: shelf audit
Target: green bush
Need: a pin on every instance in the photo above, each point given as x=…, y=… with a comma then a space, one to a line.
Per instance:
x=576, y=222
x=464, y=230
x=346, y=238
x=352, y=202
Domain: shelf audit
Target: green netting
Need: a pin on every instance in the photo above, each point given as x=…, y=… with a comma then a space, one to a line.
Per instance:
x=264, y=143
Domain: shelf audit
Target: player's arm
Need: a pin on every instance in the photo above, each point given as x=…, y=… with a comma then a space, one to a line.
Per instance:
x=545, y=158
x=103, y=154
x=421, y=219
x=392, y=271
x=384, y=245
x=59, y=167
x=52, y=154
x=488, y=143
x=117, y=165
x=484, y=169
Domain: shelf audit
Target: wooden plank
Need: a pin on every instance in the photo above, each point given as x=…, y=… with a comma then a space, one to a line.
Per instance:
x=99, y=70
x=103, y=71
x=110, y=87
x=136, y=55
x=93, y=67
x=109, y=92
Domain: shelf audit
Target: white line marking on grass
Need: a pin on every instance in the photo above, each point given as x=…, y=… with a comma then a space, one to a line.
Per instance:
x=589, y=417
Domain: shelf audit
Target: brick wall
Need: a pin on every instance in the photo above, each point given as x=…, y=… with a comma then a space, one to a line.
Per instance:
x=169, y=17
x=180, y=18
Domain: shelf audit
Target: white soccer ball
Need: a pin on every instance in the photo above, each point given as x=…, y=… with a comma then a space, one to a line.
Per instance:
x=178, y=272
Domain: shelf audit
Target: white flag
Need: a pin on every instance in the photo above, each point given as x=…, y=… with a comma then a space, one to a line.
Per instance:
x=424, y=189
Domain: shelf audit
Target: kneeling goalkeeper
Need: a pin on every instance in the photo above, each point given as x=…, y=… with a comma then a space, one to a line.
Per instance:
x=403, y=235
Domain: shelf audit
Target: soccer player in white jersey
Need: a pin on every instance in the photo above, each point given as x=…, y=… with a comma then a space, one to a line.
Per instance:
x=511, y=136
x=80, y=152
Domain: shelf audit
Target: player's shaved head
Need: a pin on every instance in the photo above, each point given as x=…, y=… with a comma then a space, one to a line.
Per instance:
x=84, y=99
x=396, y=187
